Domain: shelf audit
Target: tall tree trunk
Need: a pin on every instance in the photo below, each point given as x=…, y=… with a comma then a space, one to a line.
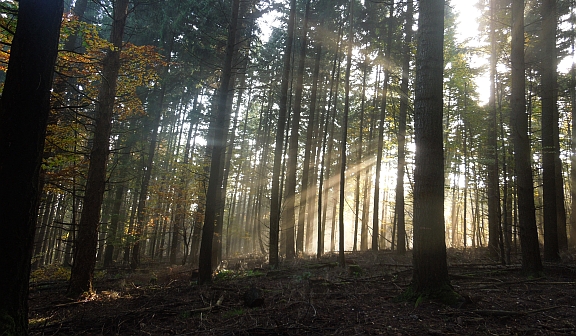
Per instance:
x=492, y=166
x=87, y=240
x=548, y=98
x=430, y=275
x=141, y=216
x=25, y=98
x=400, y=214
x=376, y=213
x=114, y=221
x=307, y=193
x=341, y=257
x=275, y=208
x=572, y=242
x=328, y=144
x=359, y=147
x=227, y=162
x=367, y=180
x=531, y=263
x=218, y=124
x=182, y=195
x=292, y=164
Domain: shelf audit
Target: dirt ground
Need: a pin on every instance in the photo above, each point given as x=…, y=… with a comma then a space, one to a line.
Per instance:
x=313, y=297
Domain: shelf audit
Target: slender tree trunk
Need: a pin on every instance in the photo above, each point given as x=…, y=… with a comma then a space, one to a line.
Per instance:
x=182, y=195
x=367, y=180
x=572, y=241
x=328, y=145
x=147, y=171
x=404, y=101
x=114, y=221
x=531, y=263
x=275, y=208
x=292, y=165
x=341, y=257
x=492, y=166
x=359, y=147
x=307, y=193
x=376, y=213
x=219, y=122
x=548, y=92
x=87, y=240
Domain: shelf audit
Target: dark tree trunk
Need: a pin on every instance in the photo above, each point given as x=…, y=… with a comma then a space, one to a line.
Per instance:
x=367, y=180
x=492, y=166
x=290, y=191
x=549, y=150
x=111, y=241
x=359, y=147
x=376, y=213
x=24, y=109
x=308, y=179
x=429, y=257
x=572, y=241
x=141, y=215
x=87, y=240
x=400, y=215
x=328, y=145
x=182, y=196
x=341, y=258
x=217, y=144
x=275, y=208
x=531, y=263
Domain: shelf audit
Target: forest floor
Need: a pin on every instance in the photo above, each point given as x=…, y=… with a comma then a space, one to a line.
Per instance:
x=313, y=297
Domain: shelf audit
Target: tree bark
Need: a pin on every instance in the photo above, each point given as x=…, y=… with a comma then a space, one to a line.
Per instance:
x=275, y=208
x=24, y=109
x=219, y=122
x=430, y=275
x=492, y=144
x=343, y=141
x=308, y=179
x=404, y=100
x=383, y=109
x=359, y=147
x=549, y=149
x=531, y=263
x=87, y=239
x=292, y=164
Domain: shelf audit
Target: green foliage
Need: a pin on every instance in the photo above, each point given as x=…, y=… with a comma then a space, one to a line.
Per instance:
x=233, y=313
x=185, y=315
x=225, y=275
x=257, y=273
x=304, y=276
x=7, y=324
x=355, y=270
x=50, y=273
x=445, y=295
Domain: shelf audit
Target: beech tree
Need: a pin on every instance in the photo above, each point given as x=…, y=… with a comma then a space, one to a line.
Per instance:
x=24, y=109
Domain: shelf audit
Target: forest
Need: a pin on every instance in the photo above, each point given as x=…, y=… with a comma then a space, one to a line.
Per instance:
x=258, y=167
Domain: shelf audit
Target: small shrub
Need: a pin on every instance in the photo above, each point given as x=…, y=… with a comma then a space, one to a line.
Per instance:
x=50, y=273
